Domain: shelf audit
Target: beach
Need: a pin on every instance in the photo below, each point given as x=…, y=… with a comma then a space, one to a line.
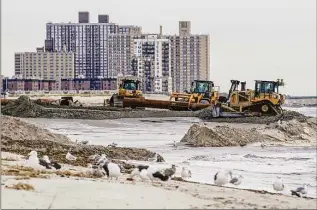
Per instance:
x=289, y=151
x=58, y=192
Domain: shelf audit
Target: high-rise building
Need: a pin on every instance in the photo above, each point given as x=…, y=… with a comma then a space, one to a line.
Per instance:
x=190, y=57
x=151, y=63
x=103, y=18
x=83, y=17
x=94, y=44
x=45, y=65
x=1, y=84
x=121, y=50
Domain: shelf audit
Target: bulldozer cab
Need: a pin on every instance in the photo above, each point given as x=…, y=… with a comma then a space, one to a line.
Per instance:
x=130, y=84
x=201, y=86
x=267, y=87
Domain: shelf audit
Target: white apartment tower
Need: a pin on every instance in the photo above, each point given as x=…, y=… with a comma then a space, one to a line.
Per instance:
x=152, y=63
x=95, y=45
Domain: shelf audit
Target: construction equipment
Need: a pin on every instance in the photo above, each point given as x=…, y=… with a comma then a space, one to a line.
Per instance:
x=201, y=92
x=265, y=99
x=129, y=87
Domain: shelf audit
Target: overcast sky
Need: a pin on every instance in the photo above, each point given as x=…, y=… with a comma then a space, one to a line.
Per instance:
x=249, y=39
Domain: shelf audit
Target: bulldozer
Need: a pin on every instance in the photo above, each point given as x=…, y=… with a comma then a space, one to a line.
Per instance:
x=264, y=100
x=128, y=88
x=201, y=92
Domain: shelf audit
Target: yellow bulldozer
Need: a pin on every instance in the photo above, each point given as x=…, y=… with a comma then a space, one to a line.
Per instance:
x=265, y=99
x=201, y=92
x=128, y=88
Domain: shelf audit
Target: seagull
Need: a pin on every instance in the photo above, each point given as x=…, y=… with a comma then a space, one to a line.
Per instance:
x=153, y=159
x=113, y=144
x=174, y=144
x=186, y=173
x=300, y=191
x=278, y=184
x=85, y=142
x=170, y=171
x=137, y=171
x=33, y=161
x=155, y=174
x=45, y=161
x=236, y=180
x=222, y=177
x=55, y=164
x=143, y=175
x=96, y=172
x=101, y=160
x=70, y=156
x=112, y=170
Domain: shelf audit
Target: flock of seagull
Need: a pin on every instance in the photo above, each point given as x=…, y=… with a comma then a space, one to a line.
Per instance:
x=102, y=166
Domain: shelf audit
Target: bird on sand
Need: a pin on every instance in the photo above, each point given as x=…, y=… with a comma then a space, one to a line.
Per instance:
x=174, y=144
x=222, y=177
x=101, y=160
x=33, y=161
x=170, y=171
x=48, y=164
x=96, y=172
x=278, y=184
x=143, y=175
x=85, y=142
x=141, y=171
x=236, y=180
x=155, y=174
x=70, y=156
x=300, y=191
x=137, y=171
x=55, y=164
x=186, y=173
x=112, y=170
x=153, y=159
x=113, y=144
x=45, y=161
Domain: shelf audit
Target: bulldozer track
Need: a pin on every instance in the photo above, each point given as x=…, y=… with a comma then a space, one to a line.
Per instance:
x=258, y=107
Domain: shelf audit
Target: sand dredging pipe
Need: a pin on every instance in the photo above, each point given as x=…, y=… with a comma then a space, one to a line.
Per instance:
x=159, y=104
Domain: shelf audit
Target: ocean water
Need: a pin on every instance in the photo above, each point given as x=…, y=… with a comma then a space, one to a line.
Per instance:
x=260, y=167
x=308, y=111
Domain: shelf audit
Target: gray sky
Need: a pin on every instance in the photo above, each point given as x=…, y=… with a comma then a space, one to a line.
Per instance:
x=250, y=39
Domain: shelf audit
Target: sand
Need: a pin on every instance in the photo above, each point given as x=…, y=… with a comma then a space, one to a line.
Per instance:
x=76, y=192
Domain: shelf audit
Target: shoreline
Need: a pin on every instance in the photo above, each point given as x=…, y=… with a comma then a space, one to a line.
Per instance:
x=77, y=192
x=25, y=108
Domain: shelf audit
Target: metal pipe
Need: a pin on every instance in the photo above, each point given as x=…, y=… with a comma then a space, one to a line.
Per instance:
x=159, y=104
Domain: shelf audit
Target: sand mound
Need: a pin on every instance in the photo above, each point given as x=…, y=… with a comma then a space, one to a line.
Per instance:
x=220, y=136
x=25, y=108
x=22, y=107
x=15, y=129
x=288, y=132
x=26, y=137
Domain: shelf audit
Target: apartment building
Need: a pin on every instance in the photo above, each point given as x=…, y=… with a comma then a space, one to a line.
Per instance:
x=101, y=49
x=152, y=63
x=190, y=57
x=1, y=83
x=45, y=65
x=89, y=84
x=18, y=84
